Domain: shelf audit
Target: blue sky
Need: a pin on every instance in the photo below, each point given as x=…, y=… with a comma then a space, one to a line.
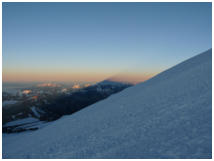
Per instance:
x=92, y=41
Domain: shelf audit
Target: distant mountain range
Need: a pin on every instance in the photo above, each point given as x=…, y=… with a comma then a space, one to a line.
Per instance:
x=49, y=109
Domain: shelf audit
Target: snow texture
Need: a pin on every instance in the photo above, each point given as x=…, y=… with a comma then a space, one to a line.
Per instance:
x=168, y=116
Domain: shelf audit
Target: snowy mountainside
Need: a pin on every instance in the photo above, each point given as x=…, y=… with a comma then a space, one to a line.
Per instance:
x=168, y=116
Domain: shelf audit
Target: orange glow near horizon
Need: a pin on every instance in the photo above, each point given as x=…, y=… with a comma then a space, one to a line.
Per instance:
x=74, y=76
x=25, y=77
x=33, y=78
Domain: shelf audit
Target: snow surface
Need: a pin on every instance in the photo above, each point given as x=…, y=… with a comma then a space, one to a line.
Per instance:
x=168, y=116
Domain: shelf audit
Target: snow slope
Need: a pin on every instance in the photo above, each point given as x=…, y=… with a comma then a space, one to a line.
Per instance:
x=168, y=116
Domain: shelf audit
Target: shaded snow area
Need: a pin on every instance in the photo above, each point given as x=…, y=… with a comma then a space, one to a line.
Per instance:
x=168, y=116
x=9, y=102
x=35, y=111
x=22, y=125
x=22, y=121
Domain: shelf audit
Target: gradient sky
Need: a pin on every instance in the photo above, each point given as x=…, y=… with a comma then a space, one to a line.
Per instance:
x=93, y=41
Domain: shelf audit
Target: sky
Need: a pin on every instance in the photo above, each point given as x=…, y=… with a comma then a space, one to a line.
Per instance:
x=95, y=41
